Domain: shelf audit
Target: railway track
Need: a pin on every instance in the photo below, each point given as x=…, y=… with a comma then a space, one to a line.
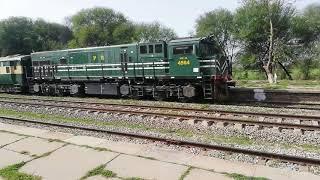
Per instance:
x=261, y=154
x=220, y=118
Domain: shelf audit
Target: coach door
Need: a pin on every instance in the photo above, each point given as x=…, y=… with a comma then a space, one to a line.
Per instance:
x=124, y=60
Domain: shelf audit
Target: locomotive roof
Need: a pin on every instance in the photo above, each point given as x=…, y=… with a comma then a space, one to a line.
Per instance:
x=87, y=48
x=185, y=39
x=14, y=57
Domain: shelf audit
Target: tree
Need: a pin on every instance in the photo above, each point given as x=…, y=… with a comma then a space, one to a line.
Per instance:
x=16, y=36
x=219, y=24
x=96, y=27
x=21, y=35
x=51, y=36
x=264, y=29
x=153, y=32
x=306, y=29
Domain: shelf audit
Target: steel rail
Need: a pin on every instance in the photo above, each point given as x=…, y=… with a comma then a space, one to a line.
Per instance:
x=266, y=155
x=178, y=116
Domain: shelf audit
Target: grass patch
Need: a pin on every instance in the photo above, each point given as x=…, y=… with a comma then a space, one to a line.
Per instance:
x=234, y=140
x=310, y=147
x=282, y=84
x=243, y=177
x=12, y=173
x=100, y=171
x=185, y=173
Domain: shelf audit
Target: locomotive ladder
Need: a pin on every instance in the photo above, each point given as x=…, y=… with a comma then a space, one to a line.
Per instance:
x=207, y=88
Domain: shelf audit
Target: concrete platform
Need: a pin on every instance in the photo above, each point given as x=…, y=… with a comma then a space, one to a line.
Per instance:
x=55, y=135
x=22, y=130
x=167, y=155
x=123, y=147
x=74, y=161
x=69, y=162
x=7, y=138
x=34, y=146
x=85, y=140
x=220, y=165
x=131, y=166
x=9, y=158
x=283, y=174
x=200, y=174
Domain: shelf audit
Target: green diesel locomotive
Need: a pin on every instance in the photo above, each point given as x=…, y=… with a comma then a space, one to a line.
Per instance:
x=184, y=69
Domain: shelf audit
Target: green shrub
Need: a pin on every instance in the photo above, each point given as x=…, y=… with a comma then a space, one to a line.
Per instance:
x=314, y=74
x=297, y=74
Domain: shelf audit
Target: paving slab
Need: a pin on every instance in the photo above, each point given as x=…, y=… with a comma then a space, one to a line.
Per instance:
x=96, y=178
x=22, y=129
x=283, y=174
x=220, y=165
x=167, y=155
x=205, y=175
x=55, y=135
x=9, y=158
x=34, y=146
x=7, y=138
x=123, y=147
x=85, y=140
x=131, y=166
x=68, y=162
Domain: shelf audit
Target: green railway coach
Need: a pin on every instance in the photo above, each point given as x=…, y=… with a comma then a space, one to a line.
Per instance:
x=181, y=68
x=13, y=72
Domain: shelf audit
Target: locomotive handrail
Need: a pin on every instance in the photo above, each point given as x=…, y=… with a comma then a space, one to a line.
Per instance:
x=154, y=71
x=102, y=71
x=68, y=72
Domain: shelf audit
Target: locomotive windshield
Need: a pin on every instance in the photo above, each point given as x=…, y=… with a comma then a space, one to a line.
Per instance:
x=188, y=49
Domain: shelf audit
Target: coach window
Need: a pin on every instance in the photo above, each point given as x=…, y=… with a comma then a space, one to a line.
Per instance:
x=158, y=48
x=183, y=50
x=143, y=49
x=13, y=64
x=150, y=49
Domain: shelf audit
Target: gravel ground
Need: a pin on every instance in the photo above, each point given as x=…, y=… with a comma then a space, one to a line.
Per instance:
x=251, y=132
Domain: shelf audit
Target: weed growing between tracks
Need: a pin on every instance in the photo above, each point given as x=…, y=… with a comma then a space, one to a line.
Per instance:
x=12, y=172
x=205, y=137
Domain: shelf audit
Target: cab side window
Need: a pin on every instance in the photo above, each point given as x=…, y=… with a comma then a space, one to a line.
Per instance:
x=158, y=48
x=143, y=49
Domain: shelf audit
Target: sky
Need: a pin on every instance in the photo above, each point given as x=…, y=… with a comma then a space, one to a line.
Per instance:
x=179, y=15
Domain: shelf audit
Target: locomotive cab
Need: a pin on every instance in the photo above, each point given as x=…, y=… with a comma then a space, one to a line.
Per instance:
x=183, y=58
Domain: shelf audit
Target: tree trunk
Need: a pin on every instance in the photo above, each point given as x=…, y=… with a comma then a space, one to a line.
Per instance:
x=269, y=74
x=269, y=66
